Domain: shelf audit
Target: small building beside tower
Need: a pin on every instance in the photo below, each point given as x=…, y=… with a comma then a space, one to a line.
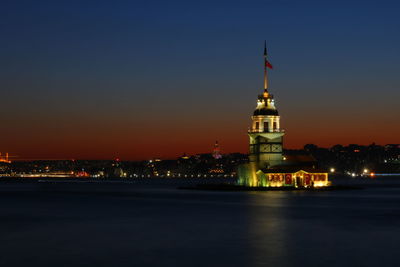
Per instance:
x=268, y=166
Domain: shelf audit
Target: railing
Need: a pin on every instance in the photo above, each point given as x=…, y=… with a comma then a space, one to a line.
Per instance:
x=266, y=131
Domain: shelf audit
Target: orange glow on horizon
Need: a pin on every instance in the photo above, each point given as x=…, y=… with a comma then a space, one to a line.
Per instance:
x=130, y=137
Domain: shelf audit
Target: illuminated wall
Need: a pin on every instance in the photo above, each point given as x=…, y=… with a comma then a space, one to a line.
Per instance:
x=299, y=179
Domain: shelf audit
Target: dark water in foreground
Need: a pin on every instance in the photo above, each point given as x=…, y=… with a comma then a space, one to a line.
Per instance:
x=151, y=223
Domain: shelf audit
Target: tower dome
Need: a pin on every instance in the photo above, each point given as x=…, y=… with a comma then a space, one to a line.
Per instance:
x=266, y=112
x=265, y=105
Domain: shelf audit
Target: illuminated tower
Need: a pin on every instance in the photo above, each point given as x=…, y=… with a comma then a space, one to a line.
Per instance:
x=216, y=152
x=267, y=167
x=266, y=135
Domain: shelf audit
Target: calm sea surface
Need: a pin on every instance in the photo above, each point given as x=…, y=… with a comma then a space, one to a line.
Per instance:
x=151, y=223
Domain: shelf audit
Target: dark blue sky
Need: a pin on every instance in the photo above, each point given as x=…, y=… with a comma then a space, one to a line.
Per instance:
x=140, y=78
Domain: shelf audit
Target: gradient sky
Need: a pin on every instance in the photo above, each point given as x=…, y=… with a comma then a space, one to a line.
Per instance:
x=142, y=79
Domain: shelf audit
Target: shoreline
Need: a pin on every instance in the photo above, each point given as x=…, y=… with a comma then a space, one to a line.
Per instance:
x=231, y=187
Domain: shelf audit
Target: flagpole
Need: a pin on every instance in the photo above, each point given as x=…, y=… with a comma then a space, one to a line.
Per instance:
x=265, y=67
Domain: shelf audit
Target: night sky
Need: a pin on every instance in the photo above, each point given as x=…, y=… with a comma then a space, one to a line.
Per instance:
x=144, y=79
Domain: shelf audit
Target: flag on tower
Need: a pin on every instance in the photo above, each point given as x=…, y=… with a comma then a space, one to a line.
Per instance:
x=268, y=65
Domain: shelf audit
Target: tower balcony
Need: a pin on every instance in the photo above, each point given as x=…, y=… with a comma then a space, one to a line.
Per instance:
x=266, y=131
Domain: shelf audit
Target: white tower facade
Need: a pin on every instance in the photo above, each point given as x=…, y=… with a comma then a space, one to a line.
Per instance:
x=265, y=133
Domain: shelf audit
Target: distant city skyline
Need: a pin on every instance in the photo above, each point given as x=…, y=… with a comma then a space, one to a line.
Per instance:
x=153, y=79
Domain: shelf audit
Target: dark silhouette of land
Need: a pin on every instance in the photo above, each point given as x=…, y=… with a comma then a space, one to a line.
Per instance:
x=339, y=159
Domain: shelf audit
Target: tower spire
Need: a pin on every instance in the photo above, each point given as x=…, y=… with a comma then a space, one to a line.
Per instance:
x=265, y=48
x=265, y=67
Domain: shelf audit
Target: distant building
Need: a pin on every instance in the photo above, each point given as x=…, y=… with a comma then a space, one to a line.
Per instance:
x=5, y=159
x=216, y=152
x=267, y=165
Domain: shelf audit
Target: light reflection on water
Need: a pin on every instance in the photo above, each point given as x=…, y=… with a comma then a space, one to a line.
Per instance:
x=338, y=228
x=267, y=230
x=140, y=224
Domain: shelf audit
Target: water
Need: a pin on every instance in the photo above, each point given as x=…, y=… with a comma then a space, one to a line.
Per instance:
x=151, y=223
